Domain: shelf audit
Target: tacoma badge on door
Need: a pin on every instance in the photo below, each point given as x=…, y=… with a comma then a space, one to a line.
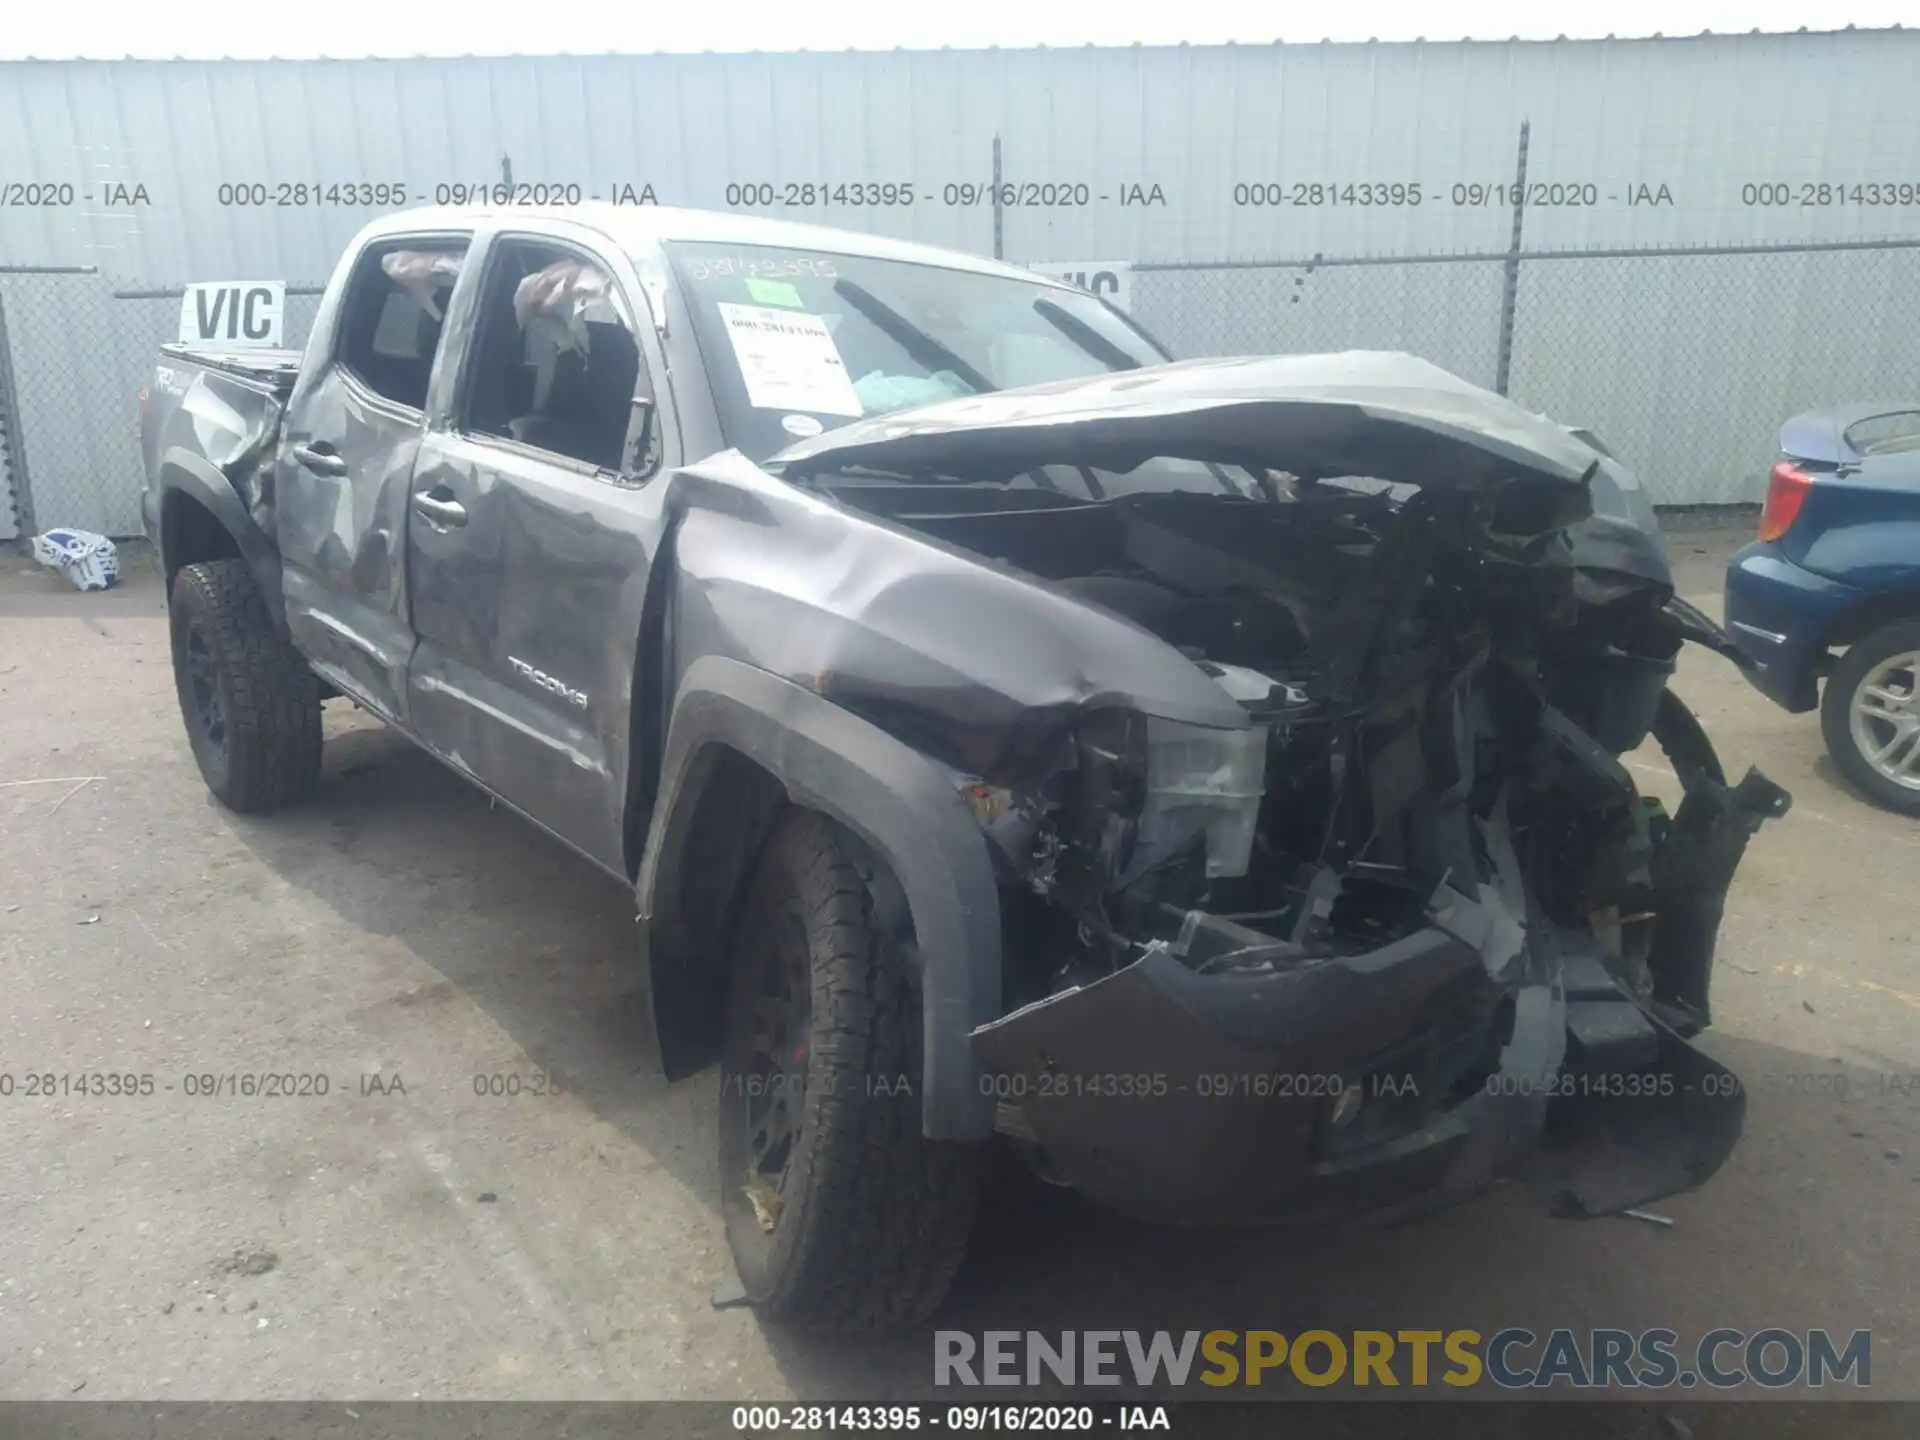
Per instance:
x=547, y=682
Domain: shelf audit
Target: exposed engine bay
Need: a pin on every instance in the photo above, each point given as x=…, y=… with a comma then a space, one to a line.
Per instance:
x=1437, y=694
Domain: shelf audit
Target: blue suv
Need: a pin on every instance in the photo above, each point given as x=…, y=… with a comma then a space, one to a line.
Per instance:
x=1830, y=592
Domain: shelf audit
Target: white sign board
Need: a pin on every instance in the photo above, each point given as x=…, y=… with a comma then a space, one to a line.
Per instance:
x=1112, y=280
x=233, y=312
x=789, y=361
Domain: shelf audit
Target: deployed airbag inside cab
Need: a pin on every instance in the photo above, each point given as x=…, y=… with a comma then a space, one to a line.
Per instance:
x=1402, y=908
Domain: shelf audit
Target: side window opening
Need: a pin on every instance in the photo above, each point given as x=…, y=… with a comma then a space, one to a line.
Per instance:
x=555, y=364
x=394, y=312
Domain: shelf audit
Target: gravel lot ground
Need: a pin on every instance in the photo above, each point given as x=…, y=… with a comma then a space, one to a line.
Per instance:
x=403, y=1236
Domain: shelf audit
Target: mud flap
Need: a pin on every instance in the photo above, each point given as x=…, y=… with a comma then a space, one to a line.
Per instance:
x=1602, y=1153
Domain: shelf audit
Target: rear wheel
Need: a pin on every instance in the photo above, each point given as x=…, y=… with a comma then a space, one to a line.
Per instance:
x=839, y=1212
x=251, y=705
x=1870, y=716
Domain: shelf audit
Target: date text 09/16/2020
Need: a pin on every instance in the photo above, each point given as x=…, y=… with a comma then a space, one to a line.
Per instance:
x=956, y=1419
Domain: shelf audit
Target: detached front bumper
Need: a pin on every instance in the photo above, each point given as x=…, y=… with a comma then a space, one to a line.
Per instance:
x=1198, y=1098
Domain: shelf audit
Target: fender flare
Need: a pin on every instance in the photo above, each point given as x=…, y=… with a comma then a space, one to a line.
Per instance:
x=188, y=474
x=896, y=801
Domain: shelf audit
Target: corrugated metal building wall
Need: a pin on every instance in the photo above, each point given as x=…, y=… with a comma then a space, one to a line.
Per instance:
x=1702, y=116
x=1158, y=138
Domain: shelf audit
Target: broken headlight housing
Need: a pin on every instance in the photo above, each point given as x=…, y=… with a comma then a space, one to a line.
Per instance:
x=1151, y=789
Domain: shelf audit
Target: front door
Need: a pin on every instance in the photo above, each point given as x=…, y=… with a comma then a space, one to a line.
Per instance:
x=530, y=536
x=354, y=427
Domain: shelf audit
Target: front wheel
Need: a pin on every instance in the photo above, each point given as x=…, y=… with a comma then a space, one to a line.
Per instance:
x=839, y=1212
x=1870, y=716
x=251, y=705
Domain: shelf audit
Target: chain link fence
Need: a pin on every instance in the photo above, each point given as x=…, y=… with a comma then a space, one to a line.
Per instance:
x=1685, y=361
x=1687, y=364
x=80, y=352
x=1445, y=311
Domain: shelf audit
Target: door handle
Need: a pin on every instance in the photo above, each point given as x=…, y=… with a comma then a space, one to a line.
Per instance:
x=321, y=462
x=439, y=511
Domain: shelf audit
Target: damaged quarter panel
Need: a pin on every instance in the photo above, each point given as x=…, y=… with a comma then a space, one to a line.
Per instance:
x=208, y=436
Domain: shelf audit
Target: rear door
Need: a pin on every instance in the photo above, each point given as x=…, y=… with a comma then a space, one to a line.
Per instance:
x=354, y=426
x=531, y=533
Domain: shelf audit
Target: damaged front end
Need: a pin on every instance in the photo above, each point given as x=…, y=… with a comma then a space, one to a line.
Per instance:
x=1410, y=928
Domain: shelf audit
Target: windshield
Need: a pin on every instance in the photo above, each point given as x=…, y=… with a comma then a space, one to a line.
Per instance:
x=796, y=342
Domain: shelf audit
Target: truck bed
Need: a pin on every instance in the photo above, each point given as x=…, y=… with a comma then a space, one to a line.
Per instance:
x=276, y=368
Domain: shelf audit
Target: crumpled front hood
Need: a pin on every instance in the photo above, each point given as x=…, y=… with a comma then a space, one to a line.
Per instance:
x=1381, y=414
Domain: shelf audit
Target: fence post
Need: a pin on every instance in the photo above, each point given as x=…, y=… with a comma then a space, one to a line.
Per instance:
x=10, y=441
x=1510, y=281
x=999, y=248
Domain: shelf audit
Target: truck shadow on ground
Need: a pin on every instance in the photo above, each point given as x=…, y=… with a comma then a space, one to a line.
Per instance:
x=544, y=944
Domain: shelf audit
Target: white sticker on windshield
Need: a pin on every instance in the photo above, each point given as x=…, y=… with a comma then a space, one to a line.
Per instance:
x=805, y=426
x=788, y=360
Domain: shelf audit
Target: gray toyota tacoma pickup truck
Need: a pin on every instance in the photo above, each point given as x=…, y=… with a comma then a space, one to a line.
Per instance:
x=1201, y=779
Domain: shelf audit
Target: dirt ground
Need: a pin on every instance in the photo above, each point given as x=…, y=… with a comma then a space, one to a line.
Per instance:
x=404, y=1236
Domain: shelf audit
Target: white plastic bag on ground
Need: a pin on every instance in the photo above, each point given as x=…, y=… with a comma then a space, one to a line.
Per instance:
x=87, y=559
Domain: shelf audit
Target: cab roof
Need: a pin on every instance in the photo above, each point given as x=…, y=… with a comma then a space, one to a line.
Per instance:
x=630, y=226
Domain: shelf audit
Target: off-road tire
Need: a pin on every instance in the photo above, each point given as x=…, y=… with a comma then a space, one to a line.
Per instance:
x=269, y=701
x=873, y=1217
x=1835, y=720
